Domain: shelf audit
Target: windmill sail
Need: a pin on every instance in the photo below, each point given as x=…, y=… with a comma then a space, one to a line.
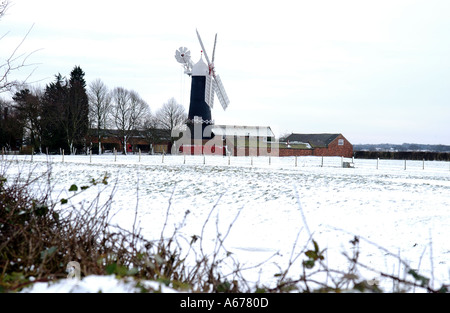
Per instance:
x=203, y=47
x=220, y=92
x=209, y=91
x=214, y=49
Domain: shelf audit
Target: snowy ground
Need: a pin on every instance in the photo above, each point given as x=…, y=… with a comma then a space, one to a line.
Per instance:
x=405, y=211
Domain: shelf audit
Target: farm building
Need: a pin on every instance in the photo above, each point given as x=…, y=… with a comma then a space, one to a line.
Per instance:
x=231, y=140
x=149, y=141
x=245, y=140
x=317, y=144
x=227, y=140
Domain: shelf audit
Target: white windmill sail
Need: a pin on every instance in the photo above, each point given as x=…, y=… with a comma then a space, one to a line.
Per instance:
x=216, y=87
x=209, y=91
x=220, y=92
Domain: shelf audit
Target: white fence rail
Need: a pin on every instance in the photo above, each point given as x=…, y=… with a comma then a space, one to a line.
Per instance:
x=247, y=161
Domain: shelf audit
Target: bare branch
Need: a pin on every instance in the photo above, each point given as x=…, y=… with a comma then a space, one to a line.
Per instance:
x=3, y=7
x=129, y=113
x=171, y=115
x=15, y=61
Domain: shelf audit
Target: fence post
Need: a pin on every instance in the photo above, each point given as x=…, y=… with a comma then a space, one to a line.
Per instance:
x=162, y=159
x=321, y=165
x=139, y=155
x=115, y=154
x=405, y=165
x=228, y=159
x=378, y=160
x=90, y=155
x=295, y=161
x=423, y=164
x=184, y=159
x=269, y=160
x=32, y=153
x=63, y=155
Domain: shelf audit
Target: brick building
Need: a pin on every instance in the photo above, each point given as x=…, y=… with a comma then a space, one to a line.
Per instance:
x=317, y=145
x=149, y=141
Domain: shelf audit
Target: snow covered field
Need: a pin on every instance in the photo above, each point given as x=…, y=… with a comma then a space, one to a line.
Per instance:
x=270, y=201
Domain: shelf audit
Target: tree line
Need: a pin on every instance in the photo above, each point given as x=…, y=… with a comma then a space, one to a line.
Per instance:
x=402, y=147
x=67, y=112
x=403, y=155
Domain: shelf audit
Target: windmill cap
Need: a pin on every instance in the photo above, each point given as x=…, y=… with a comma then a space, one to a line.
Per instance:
x=200, y=68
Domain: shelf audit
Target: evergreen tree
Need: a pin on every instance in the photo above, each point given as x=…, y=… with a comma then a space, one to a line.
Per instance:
x=10, y=130
x=54, y=103
x=77, y=110
x=65, y=112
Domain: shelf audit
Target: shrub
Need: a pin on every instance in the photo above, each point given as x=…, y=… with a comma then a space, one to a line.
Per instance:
x=40, y=236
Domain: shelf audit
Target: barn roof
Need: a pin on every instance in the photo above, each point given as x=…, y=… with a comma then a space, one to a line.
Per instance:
x=154, y=134
x=242, y=131
x=315, y=140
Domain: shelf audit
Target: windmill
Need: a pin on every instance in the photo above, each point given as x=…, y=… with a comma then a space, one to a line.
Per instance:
x=205, y=84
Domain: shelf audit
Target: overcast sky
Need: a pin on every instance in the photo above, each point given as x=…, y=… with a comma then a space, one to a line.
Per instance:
x=375, y=71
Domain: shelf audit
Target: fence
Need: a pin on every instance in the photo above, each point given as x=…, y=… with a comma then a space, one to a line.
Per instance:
x=246, y=161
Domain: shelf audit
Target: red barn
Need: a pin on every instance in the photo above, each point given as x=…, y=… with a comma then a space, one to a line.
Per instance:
x=318, y=144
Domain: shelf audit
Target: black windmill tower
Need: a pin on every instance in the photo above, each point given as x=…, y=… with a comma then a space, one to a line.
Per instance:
x=205, y=83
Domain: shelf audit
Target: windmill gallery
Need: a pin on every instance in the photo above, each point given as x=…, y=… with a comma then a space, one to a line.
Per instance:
x=201, y=136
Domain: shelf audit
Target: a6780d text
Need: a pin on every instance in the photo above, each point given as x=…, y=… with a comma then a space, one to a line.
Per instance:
x=238, y=302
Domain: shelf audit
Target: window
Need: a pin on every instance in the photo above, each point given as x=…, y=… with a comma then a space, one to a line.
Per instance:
x=341, y=142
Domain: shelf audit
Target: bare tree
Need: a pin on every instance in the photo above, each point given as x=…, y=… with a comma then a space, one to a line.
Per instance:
x=120, y=114
x=171, y=115
x=129, y=112
x=140, y=110
x=150, y=131
x=100, y=106
x=14, y=61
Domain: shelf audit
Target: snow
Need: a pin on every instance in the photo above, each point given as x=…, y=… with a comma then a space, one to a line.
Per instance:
x=95, y=284
x=269, y=202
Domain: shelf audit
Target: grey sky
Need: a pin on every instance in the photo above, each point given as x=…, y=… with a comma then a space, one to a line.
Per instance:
x=376, y=71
